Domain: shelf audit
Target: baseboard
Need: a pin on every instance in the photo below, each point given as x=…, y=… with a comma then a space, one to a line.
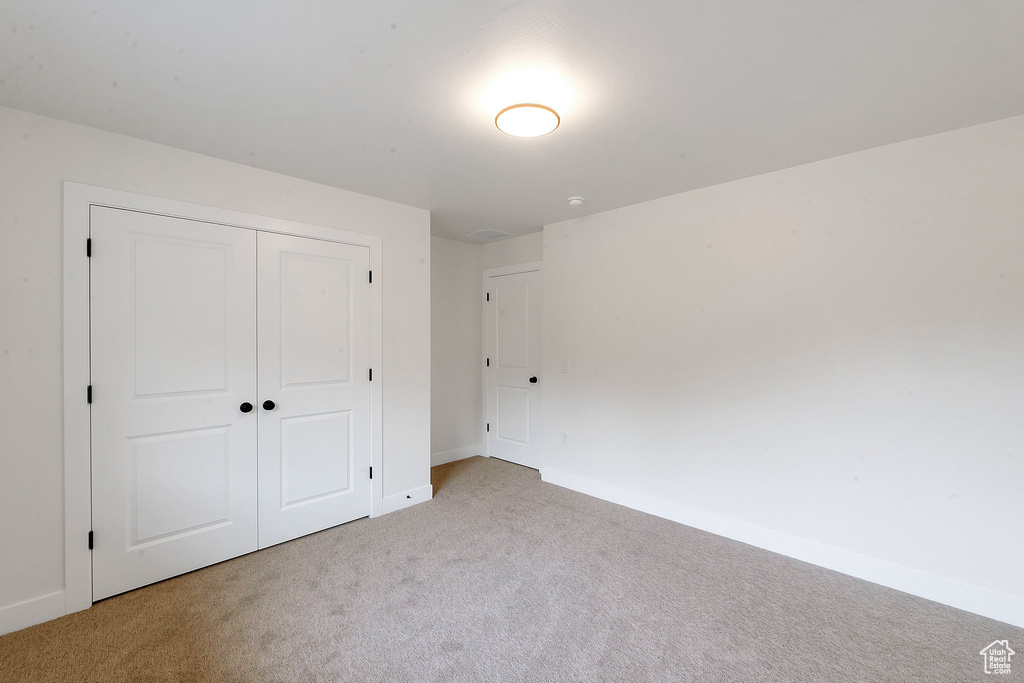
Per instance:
x=31, y=612
x=444, y=457
x=981, y=601
x=411, y=497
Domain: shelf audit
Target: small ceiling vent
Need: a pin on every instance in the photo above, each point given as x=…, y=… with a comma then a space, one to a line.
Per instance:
x=488, y=234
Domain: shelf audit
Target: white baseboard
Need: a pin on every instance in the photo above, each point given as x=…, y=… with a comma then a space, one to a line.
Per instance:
x=31, y=612
x=981, y=601
x=407, y=498
x=443, y=457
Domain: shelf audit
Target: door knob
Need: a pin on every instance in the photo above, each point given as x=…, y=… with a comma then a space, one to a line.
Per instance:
x=245, y=407
x=533, y=380
x=269, y=405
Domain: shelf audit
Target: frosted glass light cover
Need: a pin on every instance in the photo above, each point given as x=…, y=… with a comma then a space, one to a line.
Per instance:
x=527, y=120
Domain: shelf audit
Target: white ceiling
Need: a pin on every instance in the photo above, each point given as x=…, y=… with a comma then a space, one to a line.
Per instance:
x=397, y=98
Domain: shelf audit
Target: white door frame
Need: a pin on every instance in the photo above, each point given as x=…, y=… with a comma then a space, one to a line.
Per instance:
x=78, y=199
x=528, y=267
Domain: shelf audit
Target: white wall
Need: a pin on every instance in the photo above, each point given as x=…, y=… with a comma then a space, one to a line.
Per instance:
x=834, y=352
x=456, y=406
x=456, y=330
x=38, y=154
x=512, y=251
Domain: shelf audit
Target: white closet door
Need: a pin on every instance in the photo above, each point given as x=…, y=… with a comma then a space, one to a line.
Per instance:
x=314, y=393
x=173, y=358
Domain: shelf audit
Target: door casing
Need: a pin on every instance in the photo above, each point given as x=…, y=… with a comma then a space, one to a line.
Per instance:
x=488, y=273
x=78, y=198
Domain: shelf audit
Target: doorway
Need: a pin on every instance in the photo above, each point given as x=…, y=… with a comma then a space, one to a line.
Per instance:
x=231, y=400
x=513, y=385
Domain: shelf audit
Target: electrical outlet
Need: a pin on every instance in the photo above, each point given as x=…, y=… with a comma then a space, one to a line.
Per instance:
x=565, y=366
x=565, y=439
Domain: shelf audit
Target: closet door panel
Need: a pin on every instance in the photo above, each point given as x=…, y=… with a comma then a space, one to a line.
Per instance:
x=173, y=339
x=314, y=450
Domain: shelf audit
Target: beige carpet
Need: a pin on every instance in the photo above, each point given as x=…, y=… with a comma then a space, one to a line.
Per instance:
x=504, y=578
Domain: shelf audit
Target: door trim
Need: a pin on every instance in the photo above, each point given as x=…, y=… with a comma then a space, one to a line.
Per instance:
x=78, y=199
x=488, y=273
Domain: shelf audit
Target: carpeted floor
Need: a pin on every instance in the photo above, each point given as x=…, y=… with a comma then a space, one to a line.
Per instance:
x=504, y=578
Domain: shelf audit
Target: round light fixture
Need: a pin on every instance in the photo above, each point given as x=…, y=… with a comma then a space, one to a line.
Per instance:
x=575, y=201
x=527, y=120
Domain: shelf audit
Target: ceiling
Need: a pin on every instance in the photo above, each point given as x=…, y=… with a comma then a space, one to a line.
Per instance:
x=397, y=98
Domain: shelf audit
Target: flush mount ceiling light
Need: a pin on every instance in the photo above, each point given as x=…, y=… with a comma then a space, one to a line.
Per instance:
x=527, y=120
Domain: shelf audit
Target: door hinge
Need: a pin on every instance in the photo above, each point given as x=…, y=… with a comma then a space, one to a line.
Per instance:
x=88, y=394
x=371, y=276
x=371, y=471
x=488, y=362
x=488, y=426
x=371, y=374
x=90, y=539
x=88, y=247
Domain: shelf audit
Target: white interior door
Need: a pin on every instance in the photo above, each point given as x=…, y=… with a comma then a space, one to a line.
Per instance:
x=173, y=337
x=314, y=386
x=513, y=367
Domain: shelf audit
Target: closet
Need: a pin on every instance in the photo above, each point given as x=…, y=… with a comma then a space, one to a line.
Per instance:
x=230, y=392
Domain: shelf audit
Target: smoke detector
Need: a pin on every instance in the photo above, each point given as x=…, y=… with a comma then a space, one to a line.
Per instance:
x=575, y=201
